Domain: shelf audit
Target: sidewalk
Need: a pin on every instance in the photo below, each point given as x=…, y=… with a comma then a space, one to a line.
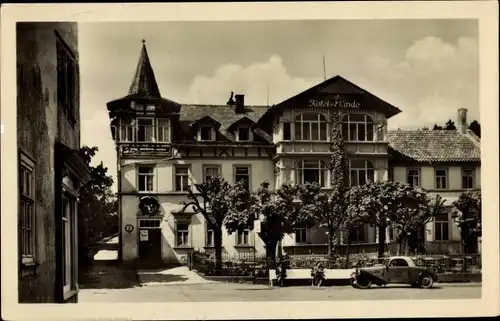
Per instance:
x=174, y=276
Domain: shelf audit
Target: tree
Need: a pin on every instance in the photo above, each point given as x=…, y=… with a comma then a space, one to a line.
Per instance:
x=214, y=206
x=450, y=125
x=333, y=217
x=322, y=208
x=98, y=217
x=278, y=215
x=353, y=218
x=476, y=128
x=411, y=210
x=467, y=215
x=436, y=127
x=374, y=201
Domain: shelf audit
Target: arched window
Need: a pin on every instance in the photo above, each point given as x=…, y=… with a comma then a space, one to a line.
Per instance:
x=357, y=127
x=361, y=171
x=310, y=126
x=311, y=171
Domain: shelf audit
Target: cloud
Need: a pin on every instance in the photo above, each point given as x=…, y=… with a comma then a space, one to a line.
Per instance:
x=253, y=81
x=431, y=81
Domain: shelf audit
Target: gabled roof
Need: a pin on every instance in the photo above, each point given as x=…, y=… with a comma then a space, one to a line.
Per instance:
x=335, y=86
x=434, y=146
x=144, y=81
x=242, y=120
x=223, y=114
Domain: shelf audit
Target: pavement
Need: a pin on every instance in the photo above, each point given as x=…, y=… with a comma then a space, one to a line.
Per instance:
x=234, y=292
x=173, y=276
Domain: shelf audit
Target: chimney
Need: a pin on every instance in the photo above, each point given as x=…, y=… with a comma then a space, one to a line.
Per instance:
x=240, y=104
x=462, y=121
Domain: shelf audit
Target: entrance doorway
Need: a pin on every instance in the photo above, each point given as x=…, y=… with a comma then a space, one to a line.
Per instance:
x=150, y=239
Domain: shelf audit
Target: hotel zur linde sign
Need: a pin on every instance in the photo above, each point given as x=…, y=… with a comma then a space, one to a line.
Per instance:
x=335, y=102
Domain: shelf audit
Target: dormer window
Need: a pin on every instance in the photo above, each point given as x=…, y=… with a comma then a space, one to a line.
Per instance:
x=207, y=133
x=244, y=134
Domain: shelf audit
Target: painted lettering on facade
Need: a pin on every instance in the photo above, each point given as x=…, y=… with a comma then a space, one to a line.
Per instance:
x=333, y=103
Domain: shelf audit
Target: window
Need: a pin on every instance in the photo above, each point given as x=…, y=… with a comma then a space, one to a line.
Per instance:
x=210, y=238
x=182, y=234
x=300, y=235
x=181, y=178
x=441, y=178
x=149, y=223
x=242, y=173
x=360, y=172
x=413, y=177
x=357, y=127
x=163, y=130
x=27, y=209
x=310, y=126
x=210, y=171
x=358, y=234
x=287, y=131
x=207, y=133
x=127, y=130
x=145, y=175
x=468, y=178
x=145, y=130
x=66, y=79
x=398, y=263
x=244, y=134
x=244, y=237
x=69, y=242
x=311, y=171
x=441, y=227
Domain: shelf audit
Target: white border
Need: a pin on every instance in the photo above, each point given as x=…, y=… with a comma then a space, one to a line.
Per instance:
x=485, y=11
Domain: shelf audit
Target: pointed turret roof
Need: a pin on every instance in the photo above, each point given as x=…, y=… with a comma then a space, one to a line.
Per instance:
x=144, y=82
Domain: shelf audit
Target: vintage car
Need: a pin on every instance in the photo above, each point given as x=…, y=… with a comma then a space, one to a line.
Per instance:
x=395, y=270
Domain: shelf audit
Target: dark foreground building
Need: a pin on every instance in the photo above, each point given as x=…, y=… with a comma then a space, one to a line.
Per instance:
x=50, y=170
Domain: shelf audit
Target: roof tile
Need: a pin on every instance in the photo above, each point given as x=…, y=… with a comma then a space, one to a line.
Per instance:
x=435, y=145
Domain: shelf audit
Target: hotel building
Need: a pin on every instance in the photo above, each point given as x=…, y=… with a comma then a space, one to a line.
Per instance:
x=163, y=146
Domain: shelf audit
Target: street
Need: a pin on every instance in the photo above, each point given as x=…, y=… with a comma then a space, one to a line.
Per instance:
x=233, y=292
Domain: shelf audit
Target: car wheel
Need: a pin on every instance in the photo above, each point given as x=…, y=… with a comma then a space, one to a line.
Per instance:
x=363, y=283
x=426, y=281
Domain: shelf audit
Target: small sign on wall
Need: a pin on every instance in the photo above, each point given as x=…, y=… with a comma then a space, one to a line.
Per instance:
x=143, y=235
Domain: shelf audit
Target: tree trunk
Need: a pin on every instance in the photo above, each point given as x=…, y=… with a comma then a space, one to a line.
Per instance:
x=271, y=253
x=331, y=237
x=348, y=248
x=381, y=242
x=218, y=250
x=405, y=244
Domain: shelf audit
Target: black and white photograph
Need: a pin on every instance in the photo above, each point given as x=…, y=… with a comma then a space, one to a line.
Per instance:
x=176, y=154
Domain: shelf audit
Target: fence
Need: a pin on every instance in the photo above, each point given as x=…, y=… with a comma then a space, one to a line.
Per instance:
x=248, y=264
x=453, y=263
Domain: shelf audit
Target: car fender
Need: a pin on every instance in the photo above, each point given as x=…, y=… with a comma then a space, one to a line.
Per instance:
x=434, y=276
x=375, y=279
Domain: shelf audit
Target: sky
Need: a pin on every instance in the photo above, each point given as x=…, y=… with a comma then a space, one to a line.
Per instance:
x=426, y=68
